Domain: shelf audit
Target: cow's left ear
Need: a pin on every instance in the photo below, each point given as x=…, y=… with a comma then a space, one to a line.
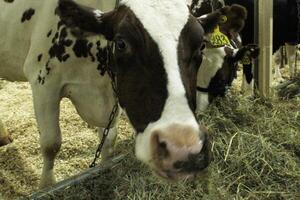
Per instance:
x=85, y=21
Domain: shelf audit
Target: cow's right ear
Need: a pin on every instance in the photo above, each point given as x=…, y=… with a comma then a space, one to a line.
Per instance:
x=85, y=21
x=210, y=21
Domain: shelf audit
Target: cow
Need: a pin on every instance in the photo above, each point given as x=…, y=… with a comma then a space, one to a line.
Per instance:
x=150, y=49
x=285, y=32
x=219, y=65
x=201, y=7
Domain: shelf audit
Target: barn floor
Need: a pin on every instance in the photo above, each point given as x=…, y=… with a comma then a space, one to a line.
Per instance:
x=256, y=148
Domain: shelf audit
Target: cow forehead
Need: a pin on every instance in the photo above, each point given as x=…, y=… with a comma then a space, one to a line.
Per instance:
x=163, y=20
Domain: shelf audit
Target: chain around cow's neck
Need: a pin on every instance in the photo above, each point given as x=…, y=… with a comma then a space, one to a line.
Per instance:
x=115, y=108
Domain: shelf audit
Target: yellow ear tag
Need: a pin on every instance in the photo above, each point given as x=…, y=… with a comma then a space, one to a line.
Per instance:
x=223, y=19
x=219, y=39
x=246, y=60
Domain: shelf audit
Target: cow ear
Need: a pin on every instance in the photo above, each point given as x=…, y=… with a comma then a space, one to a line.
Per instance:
x=84, y=21
x=210, y=21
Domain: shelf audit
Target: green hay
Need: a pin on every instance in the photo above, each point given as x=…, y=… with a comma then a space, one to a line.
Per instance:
x=256, y=150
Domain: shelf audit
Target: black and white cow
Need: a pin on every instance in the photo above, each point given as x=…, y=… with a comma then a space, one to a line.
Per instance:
x=219, y=66
x=155, y=57
x=284, y=33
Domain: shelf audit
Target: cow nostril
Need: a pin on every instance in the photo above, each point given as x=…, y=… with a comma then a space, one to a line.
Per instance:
x=163, y=145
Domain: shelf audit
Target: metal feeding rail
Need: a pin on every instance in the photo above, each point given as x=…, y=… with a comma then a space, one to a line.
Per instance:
x=49, y=193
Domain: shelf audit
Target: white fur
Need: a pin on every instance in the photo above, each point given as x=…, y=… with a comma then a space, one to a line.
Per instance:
x=164, y=21
x=98, y=14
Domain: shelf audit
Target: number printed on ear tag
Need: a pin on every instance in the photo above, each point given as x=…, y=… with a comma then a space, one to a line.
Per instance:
x=219, y=39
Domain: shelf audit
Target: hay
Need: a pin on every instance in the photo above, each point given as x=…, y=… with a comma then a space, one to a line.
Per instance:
x=289, y=89
x=256, y=147
x=256, y=150
x=21, y=162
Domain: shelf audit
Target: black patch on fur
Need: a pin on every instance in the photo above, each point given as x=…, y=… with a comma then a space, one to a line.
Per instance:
x=247, y=70
x=82, y=48
x=8, y=1
x=47, y=67
x=60, y=42
x=49, y=33
x=66, y=57
x=102, y=56
x=41, y=79
x=40, y=57
x=27, y=15
x=59, y=24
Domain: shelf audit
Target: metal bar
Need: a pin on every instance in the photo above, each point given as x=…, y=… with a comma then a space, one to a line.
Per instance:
x=44, y=194
x=265, y=41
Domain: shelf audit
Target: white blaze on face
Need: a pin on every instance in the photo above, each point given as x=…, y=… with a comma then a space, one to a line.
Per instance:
x=164, y=21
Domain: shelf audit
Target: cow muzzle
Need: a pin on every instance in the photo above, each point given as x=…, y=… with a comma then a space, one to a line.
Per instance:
x=180, y=152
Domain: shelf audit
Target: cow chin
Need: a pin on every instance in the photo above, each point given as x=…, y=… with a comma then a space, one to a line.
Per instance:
x=176, y=156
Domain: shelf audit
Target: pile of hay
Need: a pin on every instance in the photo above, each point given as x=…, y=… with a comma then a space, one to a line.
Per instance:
x=256, y=147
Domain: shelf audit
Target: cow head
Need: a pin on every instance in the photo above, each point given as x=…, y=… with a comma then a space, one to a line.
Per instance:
x=234, y=19
x=157, y=51
x=219, y=69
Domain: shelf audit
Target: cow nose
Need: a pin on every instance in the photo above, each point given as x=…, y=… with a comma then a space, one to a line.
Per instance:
x=180, y=150
x=196, y=162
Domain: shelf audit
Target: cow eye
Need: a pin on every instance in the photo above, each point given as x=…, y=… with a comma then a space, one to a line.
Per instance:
x=120, y=44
